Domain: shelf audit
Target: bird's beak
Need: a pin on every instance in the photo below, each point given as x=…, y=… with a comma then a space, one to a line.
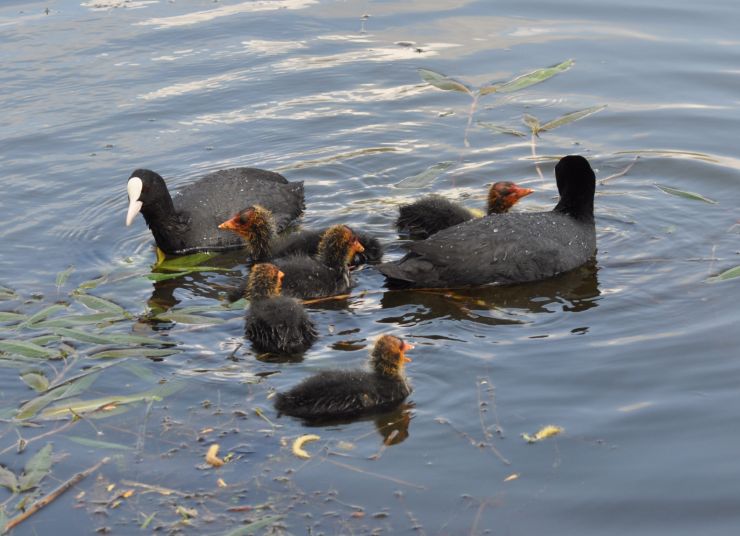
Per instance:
x=280, y=276
x=133, y=188
x=229, y=225
x=359, y=248
x=404, y=348
x=518, y=192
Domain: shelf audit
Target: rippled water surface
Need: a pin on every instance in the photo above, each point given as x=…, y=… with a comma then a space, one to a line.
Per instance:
x=633, y=355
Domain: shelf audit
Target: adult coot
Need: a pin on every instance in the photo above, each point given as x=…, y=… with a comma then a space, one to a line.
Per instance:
x=433, y=213
x=349, y=393
x=256, y=226
x=509, y=248
x=274, y=323
x=188, y=221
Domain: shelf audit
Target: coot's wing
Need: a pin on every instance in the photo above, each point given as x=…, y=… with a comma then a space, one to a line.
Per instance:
x=218, y=196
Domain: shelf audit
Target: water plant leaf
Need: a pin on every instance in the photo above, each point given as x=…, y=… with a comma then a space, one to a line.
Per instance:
x=570, y=117
x=442, y=81
x=43, y=314
x=36, y=469
x=686, y=195
x=43, y=340
x=63, y=276
x=83, y=336
x=123, y=338
x=77, y=320
x=732, y=273
x=7, y=293
x=535, y=77
x=532, y=122
x=501, y=129
x=426, y=177
x=98, y=444
x=100, y=304
x=36, y=381
x=253, y=527
x=71, y=388
x=26, y=349
x=91, y=283
x=188, y=319
x=8, y=479
x=154, y=276
x=11, y=317
x=133, y=352
x=174, y=264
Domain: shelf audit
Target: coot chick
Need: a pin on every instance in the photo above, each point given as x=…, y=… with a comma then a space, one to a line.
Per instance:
x=274, y=323
x=512, y=247
x=188, y=221
x=256, y=226
x=433, y=213
x=350, y=393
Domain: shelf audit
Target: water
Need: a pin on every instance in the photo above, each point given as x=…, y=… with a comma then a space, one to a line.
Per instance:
x=632, y=355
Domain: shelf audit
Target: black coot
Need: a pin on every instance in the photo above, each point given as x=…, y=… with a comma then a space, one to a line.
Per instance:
x=433, y=213
x=509, y=248
x=188, y=221
x=274, y=323
x=349, y=393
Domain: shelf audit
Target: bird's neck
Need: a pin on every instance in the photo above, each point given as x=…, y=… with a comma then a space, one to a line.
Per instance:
x=167, y=225
x=578, y=209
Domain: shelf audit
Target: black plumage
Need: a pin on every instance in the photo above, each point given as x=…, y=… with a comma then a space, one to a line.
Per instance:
x=335, y=394
x=512, y=247
x=188, y=220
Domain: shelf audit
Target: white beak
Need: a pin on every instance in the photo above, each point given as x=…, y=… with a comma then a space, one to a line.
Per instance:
x=134, y=205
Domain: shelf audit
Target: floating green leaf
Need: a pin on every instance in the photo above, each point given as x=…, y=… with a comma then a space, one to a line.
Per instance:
x=133, y=352
x=92, y=283
x=732, y=273
x=500, y=129
x=26, y=349
x=43, y=314
x=164, y=277
x=570, y=117
x=426, y=177
x=83, y=336
x=36, y=469
x=36, y=381
x=43, y=340
x=11, y=317
x=188, y=319
x=8, y=479
x=174, y=264
x=686, y=195
x=444, y=82
x=122, y=338
x=535, y=77
x=254, y=526
x=77, y=320
x=532, y=122
x=98, y=444
x=100, y=304
x=63, y=276
x=71, y=388
x=7, y=293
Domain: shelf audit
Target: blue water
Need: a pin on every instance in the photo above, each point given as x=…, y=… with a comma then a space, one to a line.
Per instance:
x=633, y=355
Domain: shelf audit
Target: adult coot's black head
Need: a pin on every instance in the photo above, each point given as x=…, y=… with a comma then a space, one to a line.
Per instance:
x=148, y=194
x=576, y=184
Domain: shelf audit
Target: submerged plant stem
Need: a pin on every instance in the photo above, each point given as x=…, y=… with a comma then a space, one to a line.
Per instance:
x=534, y=154
x=471, y=112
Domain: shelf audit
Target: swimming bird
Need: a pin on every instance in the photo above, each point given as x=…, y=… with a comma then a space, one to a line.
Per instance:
x=188, y=221
x=348, y=393
x=433, y=213
x=274, y=323
x=511, y=247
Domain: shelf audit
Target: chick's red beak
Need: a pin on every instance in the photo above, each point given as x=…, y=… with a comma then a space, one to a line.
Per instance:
x=230, y=225
x=405, y=347
x=359, y=248
x=517, y=192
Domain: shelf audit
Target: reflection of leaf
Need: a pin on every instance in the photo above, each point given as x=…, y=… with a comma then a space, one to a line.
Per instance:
x=501, y=130
x=36, y=469
x=570, y=117
x=133, y=352
x=8, y=479
x=535, y=77
x=442, y=81
x=188, y=319
x=426, y=177
x=26, y=349
x=98, y=444
x=686, y=195
x=532, y=122
x=63, y=276
x=732, y=273
x=100, y=304
x=36, y=381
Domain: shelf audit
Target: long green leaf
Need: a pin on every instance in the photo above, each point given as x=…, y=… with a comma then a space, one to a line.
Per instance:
x=133, y=352
x=100, y=304
x=70, y=389
x=77, y=320
x=11, y=317
x=8, y=479
x=7, y=293
x=426, y=177
x=570, y=117
x=109, y=338
x=187, y=261
x=444, y=82
x=98, y=444
x=91, y=283
x=532, y=122
x=254, y=526
x=37, y=382
x=83, y=336
x=732, y=273
x=36, y=469
x=500, y=129
x=164, y=277
x=123, y=338
x=43, y=340
x=188, y=319
x=686, y=195
x=26, y=349
x=43, y=314
x=64, y=275
x=535, y=77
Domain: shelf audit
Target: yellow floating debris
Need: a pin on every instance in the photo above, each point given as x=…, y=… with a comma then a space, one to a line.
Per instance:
x=221, y=483
x=543, y=433
x=298, y=445
x=511, y=477
x=635, y=407
x=212, y=458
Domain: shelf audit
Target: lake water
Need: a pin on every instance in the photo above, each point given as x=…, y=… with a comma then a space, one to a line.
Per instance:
x=632, y=355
